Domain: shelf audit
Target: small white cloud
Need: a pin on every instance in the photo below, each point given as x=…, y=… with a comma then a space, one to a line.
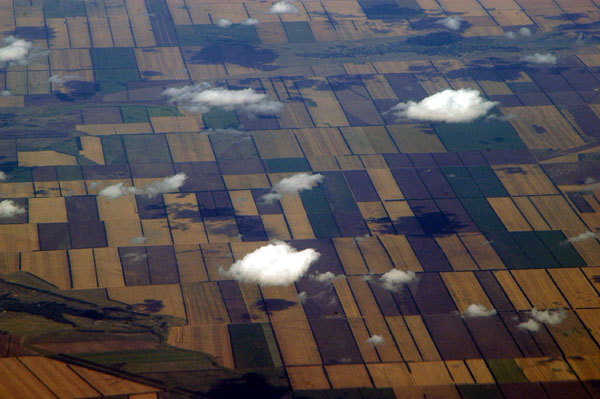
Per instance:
x=224, y=23
x=5, y=93
x=453, y=22
x=525, y=32
x=117, y=190
x=292, y=185
x=587, y=235
x=529, y=325
x=463, y=105
x=375, y=340
x=284, y=7
x=202, y=98
x=62, y=79
x=277, y=263
x=269, y=198
x=541, y=59
x=476, y=310
x=3, y=176
x=302, y=297
x=8, y=209
x=326, y=277
x=138, y=240
x=166, y=185
x=368, y=277
x=552, y=317
x=250, y=21
x=298, y=182
x=15, y=51
x=395, y=277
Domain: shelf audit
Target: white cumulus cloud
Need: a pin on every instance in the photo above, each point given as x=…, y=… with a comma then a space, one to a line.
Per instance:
x=3, y=176
x=326, y=277
x=395, y=277
x=586, y=235
x=476, y=310
x=277, y=263
x=166, y=185
x=5, y=93
x=62, y=79
x=463, y=105
x=529, y=325
x=375, y=340
x=283, y=7
x=15, y=51
x=117, y=190
x=552, y=317
x=453, y=22
x=8, y=209
x=250, y=21
x=523, y=32
x=202, y=98
x=542, y=59
x=292, y=185
x=224, y=23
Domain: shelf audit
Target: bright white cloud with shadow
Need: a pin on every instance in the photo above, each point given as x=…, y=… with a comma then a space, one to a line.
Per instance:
x=375, y=339
x=250, y=21
x=117, y=190
x=15, y=51
x=552, y=317
x=586, y=235
x=203, y=97
x=451, y=106
x=224, y=23
x=9, y=209
x=529, y=325
x=326, y=277
x=453, y=22
x=277, y=263
x=477, y=310
x=166, y=185
x=292, y=185
x=541, y=59
x=523, y=32
x=395, y=278
x=283, y=7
